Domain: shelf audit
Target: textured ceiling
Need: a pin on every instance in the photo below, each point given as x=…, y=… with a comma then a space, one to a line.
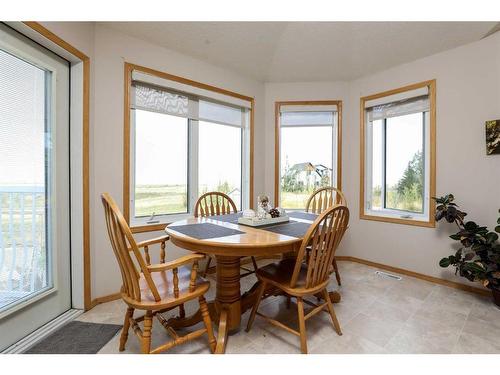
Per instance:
x=306, y=51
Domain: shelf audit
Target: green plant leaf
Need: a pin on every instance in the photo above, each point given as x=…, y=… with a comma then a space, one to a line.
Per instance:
x=445, y=262
x=497, y=228
x=491, y=237
x=470, y=225
x=475, y=268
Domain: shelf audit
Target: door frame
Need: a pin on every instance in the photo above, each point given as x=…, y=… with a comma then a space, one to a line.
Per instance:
x=79, y=155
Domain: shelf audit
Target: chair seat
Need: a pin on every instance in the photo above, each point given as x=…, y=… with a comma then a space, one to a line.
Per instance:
x=164, y=283
x=280, y=274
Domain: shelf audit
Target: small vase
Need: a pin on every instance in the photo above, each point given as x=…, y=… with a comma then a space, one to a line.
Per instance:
x=496, y=296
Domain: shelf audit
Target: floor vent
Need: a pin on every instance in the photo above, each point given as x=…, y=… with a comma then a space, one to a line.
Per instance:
x=30, y=340
x=388, y=275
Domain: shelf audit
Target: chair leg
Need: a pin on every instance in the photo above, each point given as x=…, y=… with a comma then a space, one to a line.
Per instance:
x=207, y=266
x=146, y=333
x=126, y=326
x=182, y=312
x=302, y=325
x=208, y=323
x=256, y=305
x=337, y=274
x=254, y=262
x=335, y=321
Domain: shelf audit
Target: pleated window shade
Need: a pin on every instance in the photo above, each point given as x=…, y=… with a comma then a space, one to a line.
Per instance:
x=155, y=99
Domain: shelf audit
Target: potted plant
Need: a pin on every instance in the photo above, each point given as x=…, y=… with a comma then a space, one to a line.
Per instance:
x=478, y=258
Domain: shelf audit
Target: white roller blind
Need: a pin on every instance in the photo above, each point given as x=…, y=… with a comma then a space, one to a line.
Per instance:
x=220, y=113
x=421, y=91
x=155, y=99
x=306, y=118
x=308, y=108
x=398, y=108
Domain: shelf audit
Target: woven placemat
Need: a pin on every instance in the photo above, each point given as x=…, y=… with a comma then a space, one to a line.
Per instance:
x=292, y=228
x=302, y=215
x=203, y=231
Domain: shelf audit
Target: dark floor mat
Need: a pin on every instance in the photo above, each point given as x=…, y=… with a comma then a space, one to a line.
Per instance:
x=76, y=338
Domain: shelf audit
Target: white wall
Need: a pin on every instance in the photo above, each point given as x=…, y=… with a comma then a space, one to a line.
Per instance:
x=108, y=51
x=468, y=94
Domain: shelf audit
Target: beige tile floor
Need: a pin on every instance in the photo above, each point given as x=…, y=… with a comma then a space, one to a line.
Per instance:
x=377, y=315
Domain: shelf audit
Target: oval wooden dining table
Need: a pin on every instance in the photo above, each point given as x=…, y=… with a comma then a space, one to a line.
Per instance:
x=232, y=241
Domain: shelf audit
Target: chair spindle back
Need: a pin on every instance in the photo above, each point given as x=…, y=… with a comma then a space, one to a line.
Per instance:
x=123, y=243
x=323, y=238
x=214, y=203
x=323, y=198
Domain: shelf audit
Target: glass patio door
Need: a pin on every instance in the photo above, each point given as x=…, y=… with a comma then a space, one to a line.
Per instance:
x=34, y=186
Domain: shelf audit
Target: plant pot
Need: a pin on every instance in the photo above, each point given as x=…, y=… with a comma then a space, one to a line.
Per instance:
x=496, y=296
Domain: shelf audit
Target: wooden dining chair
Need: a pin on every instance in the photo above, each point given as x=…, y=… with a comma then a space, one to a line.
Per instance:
x=217, y=203
x=318, y=202
x=323, y=198
x=154, y=288
x=298, y=279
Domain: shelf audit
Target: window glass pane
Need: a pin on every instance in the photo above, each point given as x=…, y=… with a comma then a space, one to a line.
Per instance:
x=219, y=160
x=161, y=163
x=376, y=161
x=216, y=112
x=306, y=118
x=23, y=200
x=404, y=162
x=306, y=163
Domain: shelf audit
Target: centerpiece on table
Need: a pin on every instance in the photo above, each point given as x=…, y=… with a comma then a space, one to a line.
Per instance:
x=265, y=215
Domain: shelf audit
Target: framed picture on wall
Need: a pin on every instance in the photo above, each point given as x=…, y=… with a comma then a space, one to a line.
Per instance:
x=493, y=137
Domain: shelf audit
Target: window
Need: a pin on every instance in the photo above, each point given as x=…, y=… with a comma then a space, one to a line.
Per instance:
x=161, y=145
x=34, y=186
x=398, y=153
x=307, y=150
x=220, y=166
x=184, y=141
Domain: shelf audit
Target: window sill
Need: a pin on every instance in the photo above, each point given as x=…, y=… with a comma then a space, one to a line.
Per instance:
x=142, y=227
x=429, y=223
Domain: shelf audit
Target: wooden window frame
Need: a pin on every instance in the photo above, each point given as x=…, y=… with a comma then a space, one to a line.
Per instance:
x=277, y=140
x=128, y=69
x=430, y=223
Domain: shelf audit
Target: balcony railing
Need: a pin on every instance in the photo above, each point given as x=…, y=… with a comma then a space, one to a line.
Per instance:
x=23, y=256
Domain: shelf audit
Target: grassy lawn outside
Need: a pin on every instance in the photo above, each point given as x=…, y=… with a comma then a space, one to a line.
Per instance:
x=294, y=201
x=407, y=202
x=160, y=199
x=171, y=199
x=167, y=199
